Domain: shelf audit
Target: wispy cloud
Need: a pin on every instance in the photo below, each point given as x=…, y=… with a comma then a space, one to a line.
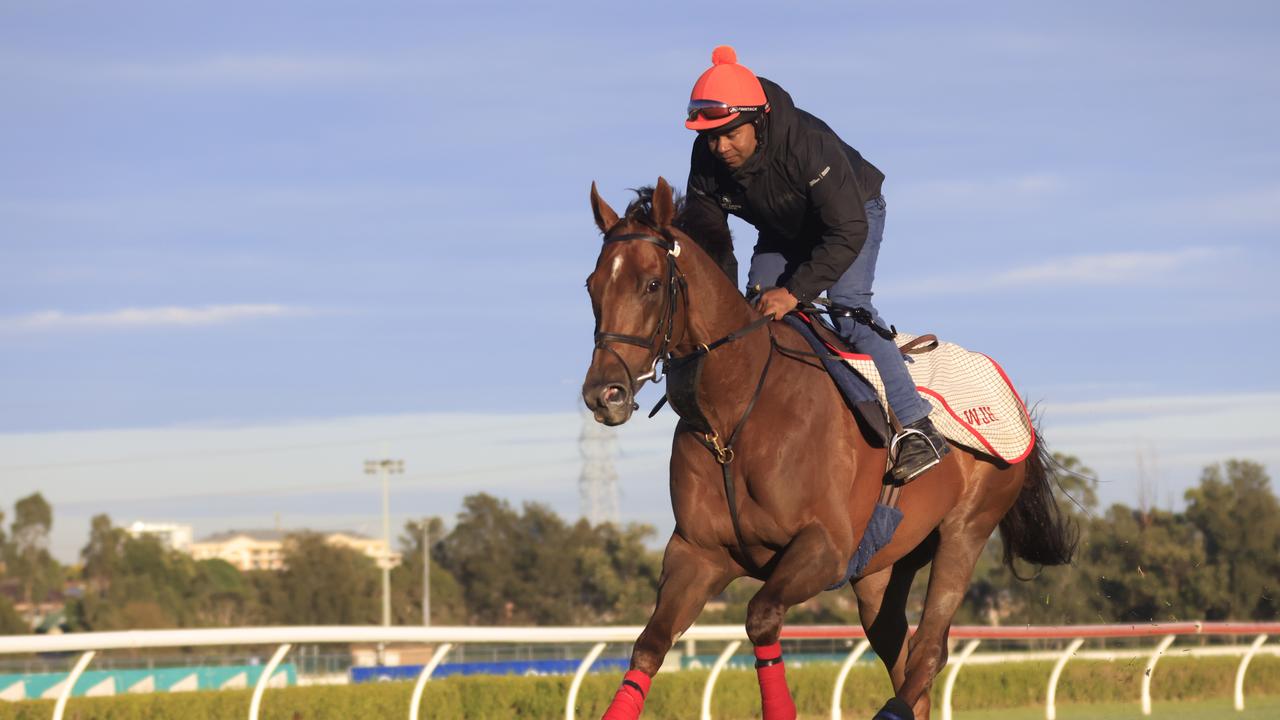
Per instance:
x=1031, y=184
x=1132, y=268
x=1164, y=439
x=1106, y=268
x=1258, y=206
x=258, y=70
x=956, y=193
x=169, y=316
x=232, y=71
x=1163, y=405
x=310, y=468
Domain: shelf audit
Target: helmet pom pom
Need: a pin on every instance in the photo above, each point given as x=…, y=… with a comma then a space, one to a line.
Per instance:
x=723, y=55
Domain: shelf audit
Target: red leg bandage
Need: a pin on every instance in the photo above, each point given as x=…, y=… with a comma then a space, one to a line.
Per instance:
x=629, y=700
x=775, y=697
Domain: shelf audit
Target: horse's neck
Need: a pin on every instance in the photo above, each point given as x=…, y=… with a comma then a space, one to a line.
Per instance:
x=714, y=307
x=731, y=371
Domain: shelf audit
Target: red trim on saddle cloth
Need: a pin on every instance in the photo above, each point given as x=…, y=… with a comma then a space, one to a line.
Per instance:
x=842, y=354
x=1025, y=415
x=629, y=701
x=978, y=433
x=775, y=696
x=943, y=401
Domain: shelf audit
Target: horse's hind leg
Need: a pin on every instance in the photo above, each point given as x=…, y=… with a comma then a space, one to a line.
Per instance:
x=691, y=575
x=882, y=610
x=960, y=545
x=809, y=565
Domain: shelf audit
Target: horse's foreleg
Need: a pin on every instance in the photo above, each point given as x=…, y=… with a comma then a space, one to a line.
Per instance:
x=958, y=549
x=809, y=564
x=690, y=576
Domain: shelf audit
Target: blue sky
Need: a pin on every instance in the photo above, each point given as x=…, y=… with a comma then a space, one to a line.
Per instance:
x=241, y=246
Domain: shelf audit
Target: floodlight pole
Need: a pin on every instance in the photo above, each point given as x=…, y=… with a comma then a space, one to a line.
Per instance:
x=426, y=572
x=384, y=468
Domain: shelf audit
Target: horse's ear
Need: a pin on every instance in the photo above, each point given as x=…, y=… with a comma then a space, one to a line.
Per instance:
x=664, y=205
x=606, y=218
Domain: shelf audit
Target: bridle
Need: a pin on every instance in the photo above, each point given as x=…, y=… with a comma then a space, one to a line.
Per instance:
x=720, y=448
x=665, y=327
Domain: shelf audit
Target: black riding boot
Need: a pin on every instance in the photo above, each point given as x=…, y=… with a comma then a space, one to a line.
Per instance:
x=916, y=449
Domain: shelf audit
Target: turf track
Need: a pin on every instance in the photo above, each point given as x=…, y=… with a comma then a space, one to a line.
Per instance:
x=1257, y=708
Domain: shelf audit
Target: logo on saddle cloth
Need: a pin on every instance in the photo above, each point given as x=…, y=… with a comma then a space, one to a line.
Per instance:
x=981, y=415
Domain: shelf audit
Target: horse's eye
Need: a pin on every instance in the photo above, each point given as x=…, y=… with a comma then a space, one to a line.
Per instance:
x=654, y=286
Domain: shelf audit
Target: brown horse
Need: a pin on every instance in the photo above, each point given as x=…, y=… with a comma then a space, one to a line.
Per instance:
x=800, y=473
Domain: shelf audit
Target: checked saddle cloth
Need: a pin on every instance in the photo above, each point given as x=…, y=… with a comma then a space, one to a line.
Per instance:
x=974, y=403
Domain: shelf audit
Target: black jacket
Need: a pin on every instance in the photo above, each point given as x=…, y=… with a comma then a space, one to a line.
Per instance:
x=803, y=190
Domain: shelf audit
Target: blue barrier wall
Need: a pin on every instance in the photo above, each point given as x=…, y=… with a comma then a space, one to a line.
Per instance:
x=504, y=667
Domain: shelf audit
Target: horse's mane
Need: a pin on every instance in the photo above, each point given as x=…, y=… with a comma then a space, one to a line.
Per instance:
x=714, y=238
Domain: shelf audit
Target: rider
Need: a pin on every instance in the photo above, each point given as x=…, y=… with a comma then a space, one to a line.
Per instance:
x=817, y=206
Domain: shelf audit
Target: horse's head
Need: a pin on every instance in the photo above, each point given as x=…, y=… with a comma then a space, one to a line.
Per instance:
x=634, y=291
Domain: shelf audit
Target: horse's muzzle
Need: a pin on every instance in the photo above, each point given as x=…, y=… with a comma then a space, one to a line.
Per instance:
x=610, y=403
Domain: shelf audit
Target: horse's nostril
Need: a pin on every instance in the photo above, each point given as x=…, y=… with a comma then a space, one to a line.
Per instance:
x=613, y=395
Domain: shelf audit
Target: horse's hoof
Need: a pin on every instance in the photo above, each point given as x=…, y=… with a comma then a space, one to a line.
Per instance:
x=895, y=709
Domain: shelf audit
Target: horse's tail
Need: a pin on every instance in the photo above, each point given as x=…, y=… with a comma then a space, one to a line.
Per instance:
x=1035, y=528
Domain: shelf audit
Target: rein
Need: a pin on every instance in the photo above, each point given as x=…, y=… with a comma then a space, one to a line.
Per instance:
x=720, y=449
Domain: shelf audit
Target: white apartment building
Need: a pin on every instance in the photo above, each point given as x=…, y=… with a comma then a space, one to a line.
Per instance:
x=171, y=535
x=264, y=549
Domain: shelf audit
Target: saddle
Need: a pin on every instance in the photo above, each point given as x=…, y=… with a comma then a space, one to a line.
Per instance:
x=858, y=393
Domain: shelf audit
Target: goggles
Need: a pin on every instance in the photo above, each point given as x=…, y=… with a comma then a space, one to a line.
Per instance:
x=716, y=110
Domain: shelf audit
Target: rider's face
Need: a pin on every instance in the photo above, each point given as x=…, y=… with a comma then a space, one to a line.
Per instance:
x=735, y=146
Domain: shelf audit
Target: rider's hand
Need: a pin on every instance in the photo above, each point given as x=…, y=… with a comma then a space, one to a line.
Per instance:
x=776, y=302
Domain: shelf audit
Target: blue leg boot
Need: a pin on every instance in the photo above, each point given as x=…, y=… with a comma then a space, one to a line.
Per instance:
x=895, y=709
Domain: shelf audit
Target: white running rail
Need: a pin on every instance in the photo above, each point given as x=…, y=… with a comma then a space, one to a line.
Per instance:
x=444, y=638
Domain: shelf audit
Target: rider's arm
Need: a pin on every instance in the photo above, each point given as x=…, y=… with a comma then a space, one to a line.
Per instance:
x=701, y=209
x=836, y=204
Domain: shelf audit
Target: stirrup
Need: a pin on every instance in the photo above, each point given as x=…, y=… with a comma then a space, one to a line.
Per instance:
x=895, y=449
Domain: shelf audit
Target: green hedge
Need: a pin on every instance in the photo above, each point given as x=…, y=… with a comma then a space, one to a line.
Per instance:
x=676, y=696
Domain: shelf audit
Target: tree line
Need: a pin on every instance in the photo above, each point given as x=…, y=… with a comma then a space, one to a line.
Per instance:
x=1217, y=559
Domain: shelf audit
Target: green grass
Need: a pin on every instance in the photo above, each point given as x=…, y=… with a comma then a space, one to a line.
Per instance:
x=1183, y=688
x=1258, y=708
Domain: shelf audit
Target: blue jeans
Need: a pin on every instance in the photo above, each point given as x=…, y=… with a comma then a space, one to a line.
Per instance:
x=853, y=289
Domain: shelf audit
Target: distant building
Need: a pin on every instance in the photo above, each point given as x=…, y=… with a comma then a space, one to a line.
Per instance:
x=264, y=549
x=247, y=550
x=171, y=535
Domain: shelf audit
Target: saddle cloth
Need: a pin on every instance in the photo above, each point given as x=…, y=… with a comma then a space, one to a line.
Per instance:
x=974, y=403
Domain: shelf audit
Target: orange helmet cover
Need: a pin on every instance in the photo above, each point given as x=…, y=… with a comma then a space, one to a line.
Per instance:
x=728, y=82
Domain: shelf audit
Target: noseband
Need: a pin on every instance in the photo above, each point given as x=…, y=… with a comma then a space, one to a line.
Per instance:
x=665, y=327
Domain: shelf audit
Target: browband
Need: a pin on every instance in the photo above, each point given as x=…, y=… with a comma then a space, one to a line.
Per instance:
x=665, y=243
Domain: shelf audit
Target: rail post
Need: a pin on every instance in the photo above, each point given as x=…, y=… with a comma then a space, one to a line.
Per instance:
x=1050, y=710
x=60, y=707
x=951, y=677
x=415, y=704
x=264, y=678
x=1244, y=666
x=583, y=667
x=715, y=673
x=1151, y=668
x=838, y=693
